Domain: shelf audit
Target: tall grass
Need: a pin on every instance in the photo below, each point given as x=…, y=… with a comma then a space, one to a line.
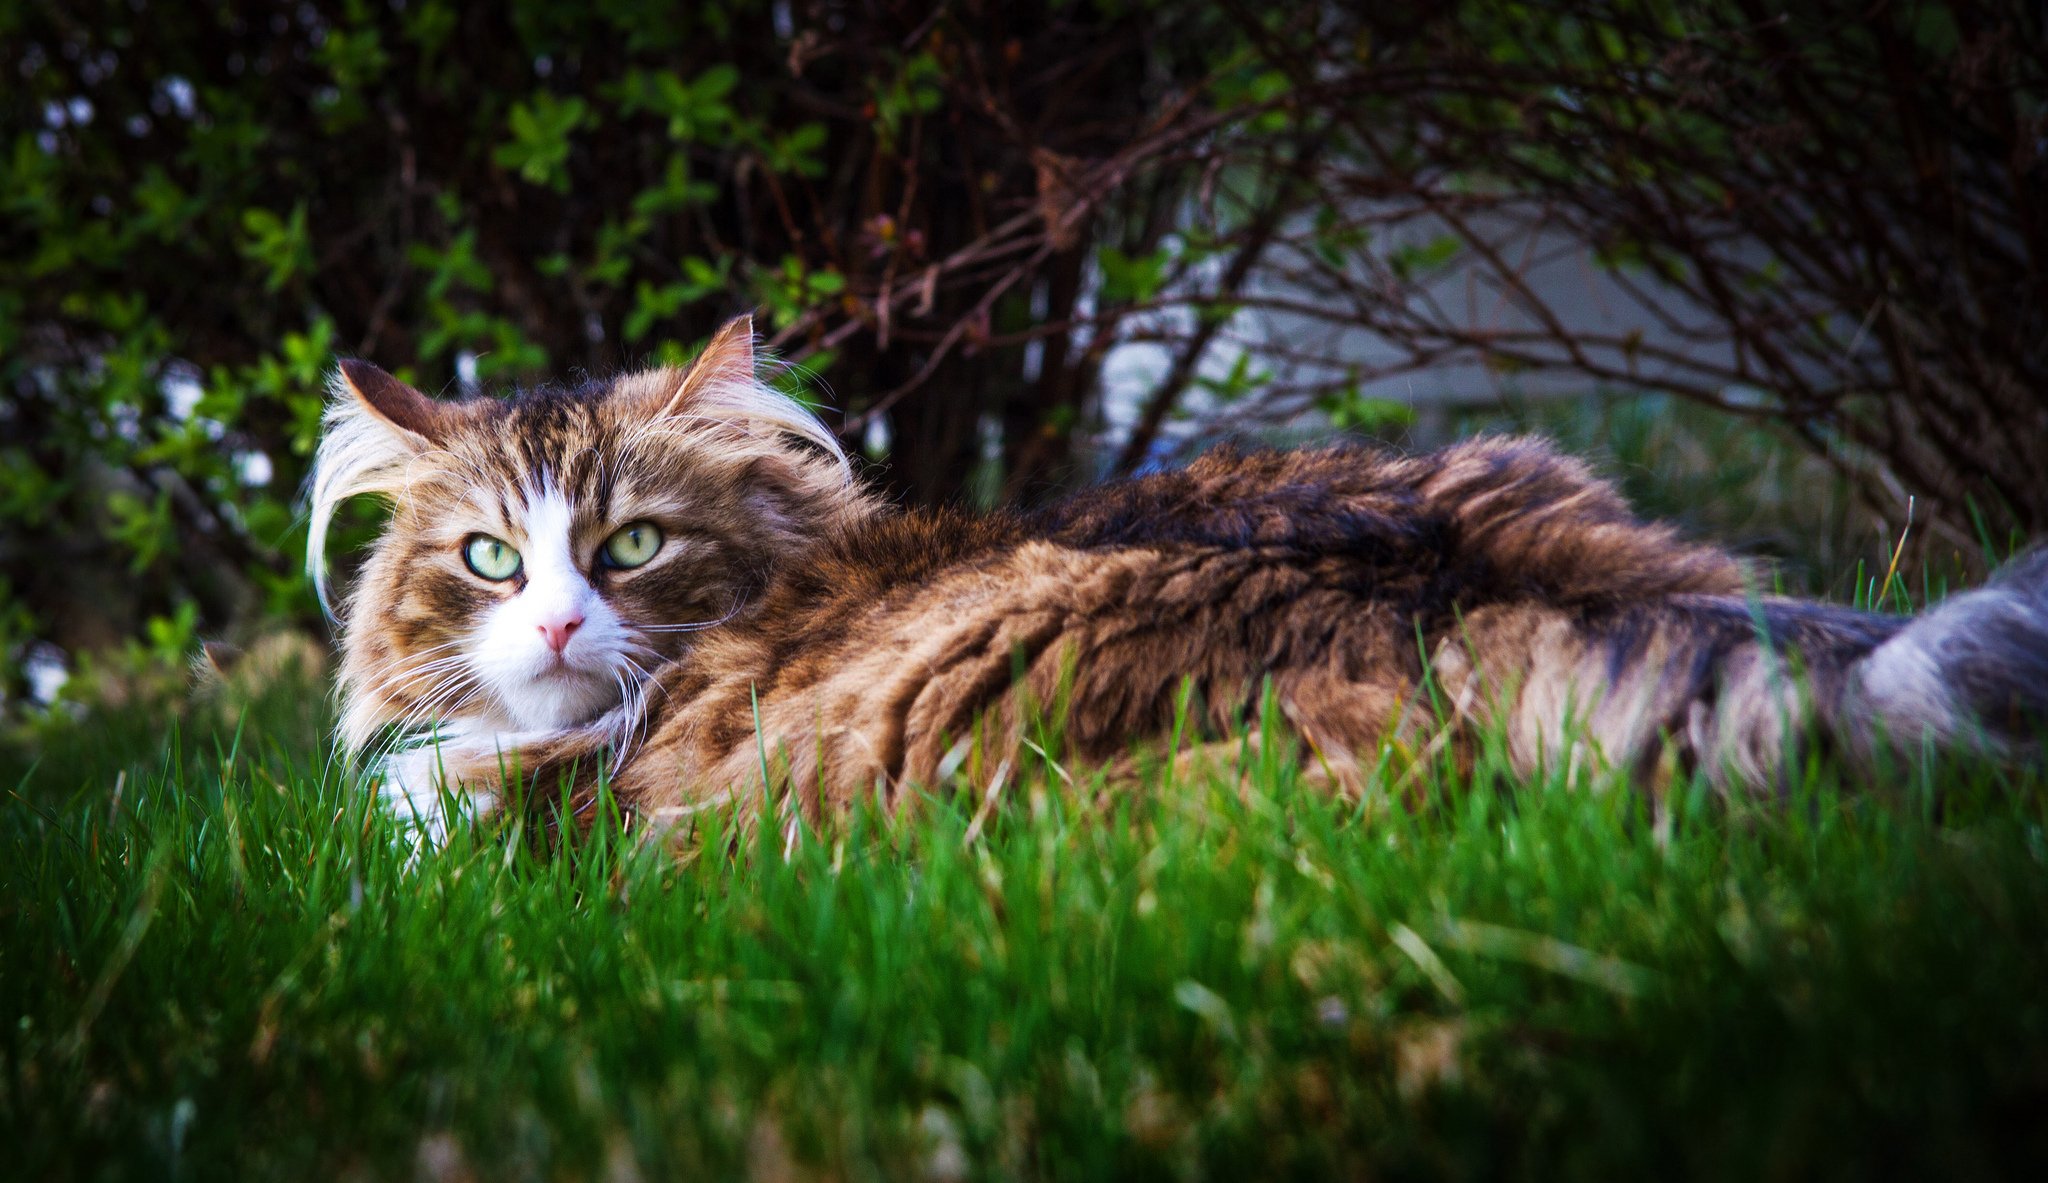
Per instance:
x=216, y=961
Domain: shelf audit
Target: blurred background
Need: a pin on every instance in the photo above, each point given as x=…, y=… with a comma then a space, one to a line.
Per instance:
x=1782, y=270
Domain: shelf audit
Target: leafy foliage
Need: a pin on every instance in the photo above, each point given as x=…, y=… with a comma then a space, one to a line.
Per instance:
x=952, y=218
x=205, y=205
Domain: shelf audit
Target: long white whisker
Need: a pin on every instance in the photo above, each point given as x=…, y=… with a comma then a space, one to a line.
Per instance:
x=397, y=658
x=426, y=708
x=688, y=627
x=426, y=671
x=644, y=650
x=637, y=719
x=392, y=675
x=434, y=696
x=691, y=626
x=625, y=740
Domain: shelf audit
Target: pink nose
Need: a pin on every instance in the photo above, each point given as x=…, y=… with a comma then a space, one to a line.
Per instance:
x=557, y=631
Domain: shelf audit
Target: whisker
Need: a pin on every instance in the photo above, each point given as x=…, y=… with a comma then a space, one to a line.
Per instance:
x=637, y=719
x=627, y=710
x=429, y=705
x=433, y=698
x=425, y=671
x=691, y=626
x=647, y=677
x=395, y=677
x=400, y=659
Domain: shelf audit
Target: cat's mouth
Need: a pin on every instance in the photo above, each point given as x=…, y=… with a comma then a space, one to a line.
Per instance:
x=569, y=667
x=562, y=675
x=560, y=694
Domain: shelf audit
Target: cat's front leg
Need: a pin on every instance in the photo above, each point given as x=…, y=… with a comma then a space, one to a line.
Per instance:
x=457, y=774
x=464, y=773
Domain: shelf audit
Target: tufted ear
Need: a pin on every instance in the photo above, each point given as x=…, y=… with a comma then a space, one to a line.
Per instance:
x=394, y=403
x=727, y=362
x=721, y=397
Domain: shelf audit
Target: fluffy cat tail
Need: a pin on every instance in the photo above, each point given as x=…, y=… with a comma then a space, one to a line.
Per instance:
x=1741, y=688
x=1970, y=674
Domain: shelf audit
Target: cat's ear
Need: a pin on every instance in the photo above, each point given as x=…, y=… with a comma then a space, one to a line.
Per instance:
x=722, y=392
x=727, y=362
x=395, y=403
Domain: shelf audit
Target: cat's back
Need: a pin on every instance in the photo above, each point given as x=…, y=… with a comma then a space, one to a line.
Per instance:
x=1488, y=518
x=1324, y=572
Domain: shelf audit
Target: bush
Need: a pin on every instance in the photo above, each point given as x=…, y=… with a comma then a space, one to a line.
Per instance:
x=205, y=205
x=952, y=217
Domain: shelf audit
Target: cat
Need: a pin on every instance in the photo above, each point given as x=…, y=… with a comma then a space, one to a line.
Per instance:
x=674, y=583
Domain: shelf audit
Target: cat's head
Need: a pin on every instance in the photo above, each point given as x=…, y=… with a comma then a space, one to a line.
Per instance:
x=545, y=550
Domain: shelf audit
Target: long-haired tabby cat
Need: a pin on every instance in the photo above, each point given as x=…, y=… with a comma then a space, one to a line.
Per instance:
x=674, y=582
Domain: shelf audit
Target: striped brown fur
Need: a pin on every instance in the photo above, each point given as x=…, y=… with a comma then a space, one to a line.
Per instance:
x=1492, y=586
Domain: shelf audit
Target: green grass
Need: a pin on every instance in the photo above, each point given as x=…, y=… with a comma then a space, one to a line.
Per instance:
x=214, y=963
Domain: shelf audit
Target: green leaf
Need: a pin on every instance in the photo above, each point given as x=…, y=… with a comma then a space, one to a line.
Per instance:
x=540, y=144
x=695, y=110
x=355, y=57
x=652, y=305
x=1131, y=280
x=674, y=192
x=1240, y=381
x=797, y=152
x=1409, y=258
x=27, y=493
x=142, y=527
x=282, y=245
x=163, y=209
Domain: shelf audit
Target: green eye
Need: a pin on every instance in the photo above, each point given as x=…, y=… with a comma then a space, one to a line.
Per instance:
x=633, y=545
x=490, y=558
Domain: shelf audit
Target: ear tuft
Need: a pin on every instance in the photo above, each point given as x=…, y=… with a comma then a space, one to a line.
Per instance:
x=392, y=401
x=375, y=427
x=219, y=657
x=727, y=361
x=723, y=392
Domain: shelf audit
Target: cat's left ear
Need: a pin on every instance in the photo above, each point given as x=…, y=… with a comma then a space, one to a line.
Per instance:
x=722, y=390
x=395, y=403
x=727, y=362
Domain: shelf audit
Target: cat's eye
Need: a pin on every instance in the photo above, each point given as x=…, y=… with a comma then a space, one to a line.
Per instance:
x=632, y=545
x=490, y=558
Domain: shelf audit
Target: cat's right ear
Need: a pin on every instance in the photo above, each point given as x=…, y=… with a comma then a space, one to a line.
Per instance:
x=395, y=403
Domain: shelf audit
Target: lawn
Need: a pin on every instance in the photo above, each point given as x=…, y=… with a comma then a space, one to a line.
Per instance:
x=215, y=962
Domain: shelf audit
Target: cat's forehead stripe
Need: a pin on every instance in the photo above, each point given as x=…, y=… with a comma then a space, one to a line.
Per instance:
x=557, y=440
x=577, y=443
x=551, y=430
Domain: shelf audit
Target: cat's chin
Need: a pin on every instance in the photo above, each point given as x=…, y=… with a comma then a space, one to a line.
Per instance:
x=559, y=699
